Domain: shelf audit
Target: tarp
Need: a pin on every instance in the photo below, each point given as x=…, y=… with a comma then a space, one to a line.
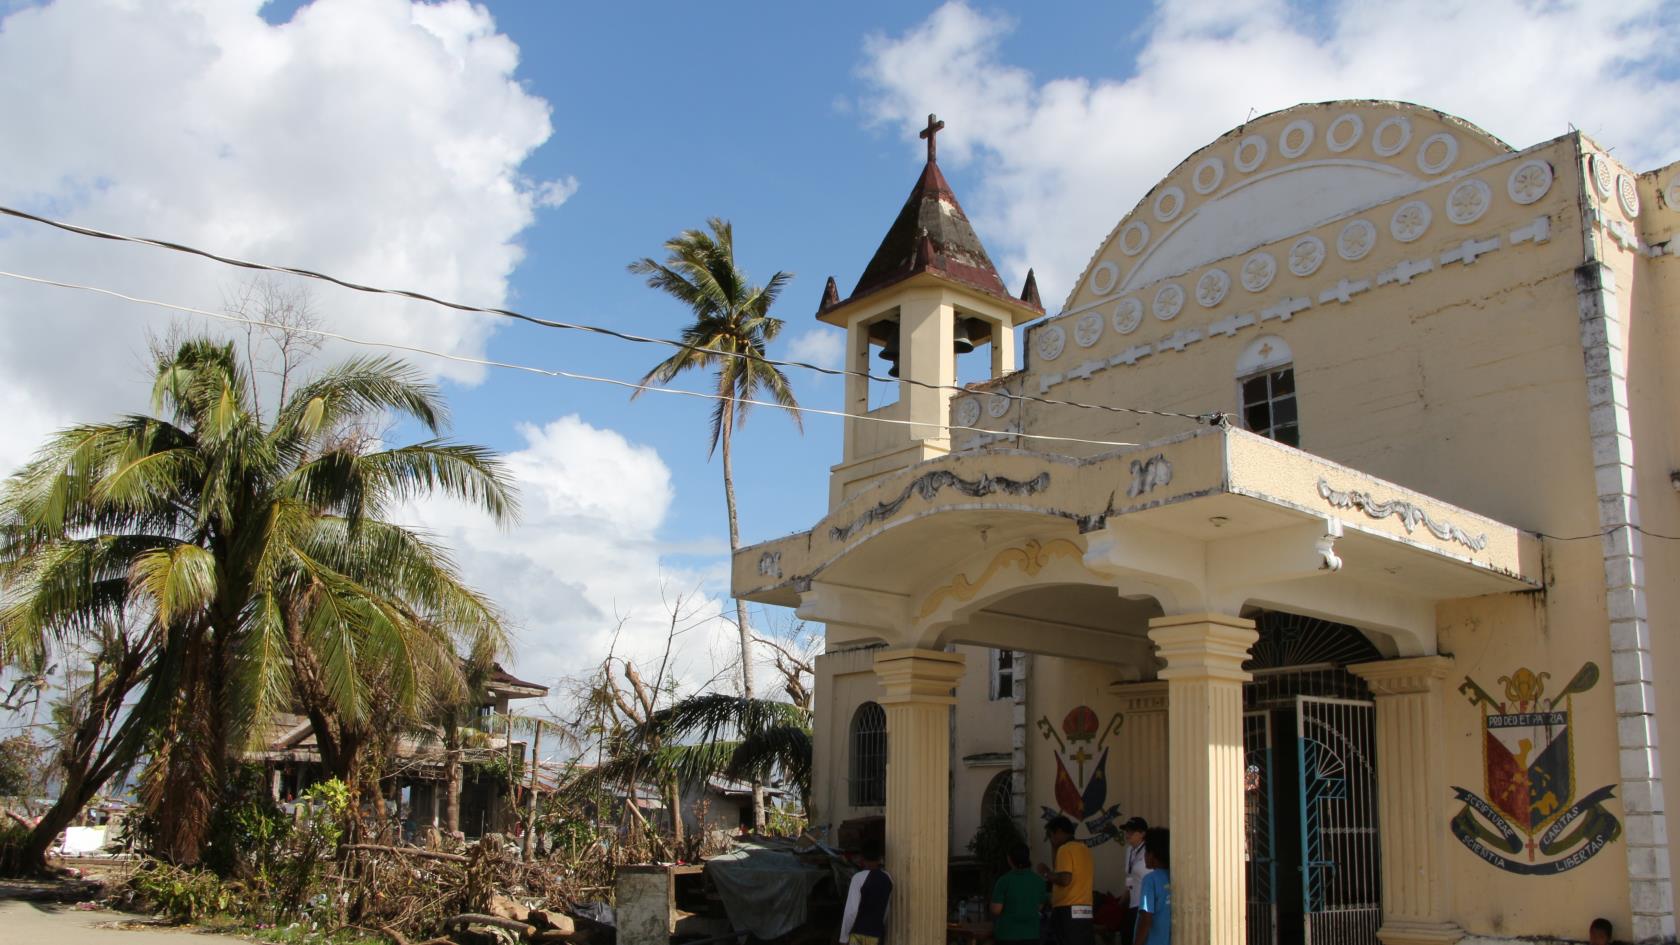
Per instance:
x=764, y=890
x=81, y=841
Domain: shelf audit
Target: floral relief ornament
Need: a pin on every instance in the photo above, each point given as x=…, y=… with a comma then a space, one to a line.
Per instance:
x=997, y=405
x=1051, y=341
x=1529, y=182
x=1169, y=301
x=1306, y=255
x=1468, y=201
x=968, y=412
x=1604, y=178
x=1211, y=287
x=1628, y=194
x=1258, y=271
x=1128, y=315
x=1088, y=329
x=1409, y=221
x=1356, y=240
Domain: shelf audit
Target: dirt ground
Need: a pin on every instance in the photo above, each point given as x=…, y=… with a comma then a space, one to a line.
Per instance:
x=43, y=923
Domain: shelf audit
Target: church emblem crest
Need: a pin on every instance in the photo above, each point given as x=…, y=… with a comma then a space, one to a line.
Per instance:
x=1528, y=819
x=1082, y=772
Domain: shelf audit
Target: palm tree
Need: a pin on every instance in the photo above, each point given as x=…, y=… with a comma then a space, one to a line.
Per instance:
x=710, y=734
x=731, y=330
x=260, y=550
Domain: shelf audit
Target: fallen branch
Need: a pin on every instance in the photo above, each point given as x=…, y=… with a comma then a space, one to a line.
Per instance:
x=473, y=918
x=407, y=851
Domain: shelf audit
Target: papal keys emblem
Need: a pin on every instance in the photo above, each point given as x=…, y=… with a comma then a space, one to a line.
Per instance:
x=1529, y=821
x=1085, y=799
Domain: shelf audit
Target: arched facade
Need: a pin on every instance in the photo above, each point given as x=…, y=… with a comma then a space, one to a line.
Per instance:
x=1378, y=356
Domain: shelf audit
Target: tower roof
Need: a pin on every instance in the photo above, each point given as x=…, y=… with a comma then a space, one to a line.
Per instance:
x=932, y=234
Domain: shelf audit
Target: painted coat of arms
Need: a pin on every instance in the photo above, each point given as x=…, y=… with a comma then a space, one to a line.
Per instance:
x=1530, y=821
x=1085, y=799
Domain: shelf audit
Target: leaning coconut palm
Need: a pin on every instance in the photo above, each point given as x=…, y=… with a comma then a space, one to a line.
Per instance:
x=260, y=548
x=731, y=330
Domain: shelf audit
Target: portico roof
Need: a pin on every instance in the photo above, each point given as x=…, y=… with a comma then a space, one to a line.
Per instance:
x=1203, y=500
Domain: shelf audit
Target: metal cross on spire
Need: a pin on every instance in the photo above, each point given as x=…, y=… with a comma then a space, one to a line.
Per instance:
x=934, y=126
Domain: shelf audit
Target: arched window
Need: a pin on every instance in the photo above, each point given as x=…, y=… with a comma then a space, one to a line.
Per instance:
x=996, y=801
x=868, y=779
x=1266, y=390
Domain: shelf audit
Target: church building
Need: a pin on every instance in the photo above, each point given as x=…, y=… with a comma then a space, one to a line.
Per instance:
x=1331, y=523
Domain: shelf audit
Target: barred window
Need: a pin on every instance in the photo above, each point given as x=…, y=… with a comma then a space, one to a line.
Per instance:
x=868, y=781
x=998, y=796
x=1003, y=674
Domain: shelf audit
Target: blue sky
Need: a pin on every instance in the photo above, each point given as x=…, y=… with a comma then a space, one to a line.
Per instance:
x=522, y=153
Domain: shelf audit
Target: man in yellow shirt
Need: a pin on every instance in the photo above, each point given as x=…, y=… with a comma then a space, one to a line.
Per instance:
x=1070, y=885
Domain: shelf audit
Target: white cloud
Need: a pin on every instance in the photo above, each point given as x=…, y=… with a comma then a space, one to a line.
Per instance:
x=377, y=139
x=1062, y=159
x=586, y=554
x=820, y=345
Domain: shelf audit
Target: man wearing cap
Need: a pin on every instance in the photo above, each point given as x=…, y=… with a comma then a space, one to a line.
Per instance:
x=1070, y=885
x=1136, y=869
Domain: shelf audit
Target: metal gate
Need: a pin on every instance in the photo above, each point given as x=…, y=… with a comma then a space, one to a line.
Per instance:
x=1258, y=828
x=1336, y=757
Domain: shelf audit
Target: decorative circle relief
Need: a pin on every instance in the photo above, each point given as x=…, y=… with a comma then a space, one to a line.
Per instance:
x=1306, y=255
x=1356, y=240
x=1409, y=221
x=1168, y=203
x=1212, y=287
x=1104, y=277
x=1529, y=181
x=1208, y=175
x=1437, y=153
x=968, y=412
x=997, y=405
x=1392, y=135
x=1296, y=138
x=1671, y=194
x=1604, y=177
x=1251, y=151
x=1259, y=271
x=1468, y=201
x=1128, y=315
x=1628, y=195
x=1088, y=329
x=1134, y=237
x=1051, y=341
x=1344, y=133
x=1169, y=301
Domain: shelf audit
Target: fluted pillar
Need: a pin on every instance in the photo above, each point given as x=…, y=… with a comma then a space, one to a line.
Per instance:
x=1204, y=654
x=1412, y=796
x=916, y=692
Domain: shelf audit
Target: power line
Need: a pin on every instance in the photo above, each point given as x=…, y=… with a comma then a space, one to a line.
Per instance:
x=1609, y=531
x=549, y=372
x=1207, y=418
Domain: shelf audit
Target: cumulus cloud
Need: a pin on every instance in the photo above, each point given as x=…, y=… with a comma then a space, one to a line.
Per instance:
x=1062, y=158
x=379, y=139
x=819, y=345
x=586, y=561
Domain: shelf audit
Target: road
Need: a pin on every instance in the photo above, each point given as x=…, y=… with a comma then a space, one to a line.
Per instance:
x=42, y=923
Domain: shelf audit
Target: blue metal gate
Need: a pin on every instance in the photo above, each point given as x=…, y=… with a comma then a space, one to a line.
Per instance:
x=1340, y=883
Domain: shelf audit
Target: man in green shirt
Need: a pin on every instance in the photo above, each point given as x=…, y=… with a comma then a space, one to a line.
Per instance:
x=1016, y=900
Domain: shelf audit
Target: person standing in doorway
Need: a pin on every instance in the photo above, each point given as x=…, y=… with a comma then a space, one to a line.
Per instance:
x=1017, y=897
x=1070, y=885
x=1136, y=870
x=1154, y=906
x=865, y=919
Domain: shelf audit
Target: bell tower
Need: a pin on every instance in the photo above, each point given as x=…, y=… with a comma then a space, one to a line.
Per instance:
x=929, y=294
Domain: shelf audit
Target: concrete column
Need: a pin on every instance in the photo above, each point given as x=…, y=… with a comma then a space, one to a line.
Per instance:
x=1412, y=795
x=916, y=692
x=1204, y=654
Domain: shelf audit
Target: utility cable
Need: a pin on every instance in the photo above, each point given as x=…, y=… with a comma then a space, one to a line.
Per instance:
x=1609, y=531
x=1214, y=418
x=549, y=372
